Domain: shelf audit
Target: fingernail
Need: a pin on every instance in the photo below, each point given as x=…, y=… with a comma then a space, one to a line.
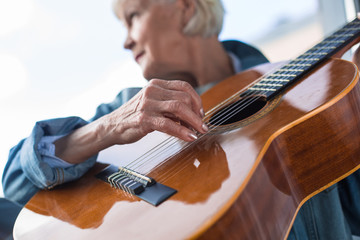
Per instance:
x=205, y=127
x=202, y=113
x=193, y=136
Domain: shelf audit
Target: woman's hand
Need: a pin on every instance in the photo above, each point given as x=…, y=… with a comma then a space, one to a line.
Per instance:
x=172, y=107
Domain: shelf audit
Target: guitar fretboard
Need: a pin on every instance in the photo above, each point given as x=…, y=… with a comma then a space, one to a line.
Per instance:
x=272, y=84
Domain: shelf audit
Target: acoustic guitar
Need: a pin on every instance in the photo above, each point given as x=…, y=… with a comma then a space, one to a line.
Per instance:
x=279, y=134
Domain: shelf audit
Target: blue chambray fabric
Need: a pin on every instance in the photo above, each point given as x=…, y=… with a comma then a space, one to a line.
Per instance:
x=349, y=193
x=322, y=217
x=9, y=212
x=25, y=173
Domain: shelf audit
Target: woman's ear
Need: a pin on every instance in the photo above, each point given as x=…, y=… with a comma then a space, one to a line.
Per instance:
x=188, y=10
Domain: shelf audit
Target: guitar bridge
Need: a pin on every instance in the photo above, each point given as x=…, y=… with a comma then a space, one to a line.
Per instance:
x=130, y=181
x=136, y=184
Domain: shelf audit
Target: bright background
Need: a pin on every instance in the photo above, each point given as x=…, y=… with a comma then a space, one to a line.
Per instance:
x=61, y=58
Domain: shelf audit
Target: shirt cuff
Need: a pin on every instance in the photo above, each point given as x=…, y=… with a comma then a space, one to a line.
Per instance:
x=46, y=149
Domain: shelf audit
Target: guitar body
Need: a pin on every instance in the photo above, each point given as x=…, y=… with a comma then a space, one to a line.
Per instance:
x=245, y=181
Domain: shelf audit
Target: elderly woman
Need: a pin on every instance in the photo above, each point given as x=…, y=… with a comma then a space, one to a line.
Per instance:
x=176, y=44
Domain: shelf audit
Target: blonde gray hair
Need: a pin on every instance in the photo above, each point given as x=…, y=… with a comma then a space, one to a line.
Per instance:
x=207, y=20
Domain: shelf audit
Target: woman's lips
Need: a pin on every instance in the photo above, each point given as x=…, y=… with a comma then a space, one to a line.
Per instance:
x=137, y=58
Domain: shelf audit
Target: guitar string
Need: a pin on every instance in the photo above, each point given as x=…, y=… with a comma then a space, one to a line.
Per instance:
x=211, y=129
x=275, y=80
x=237, y=111
x=180, y=169
x=236, y=95
x=205, y=119
x=147, y=154
x=155, y=152
x=218, y=124
x=243, y=106
x=178, y=166
x=172, y=138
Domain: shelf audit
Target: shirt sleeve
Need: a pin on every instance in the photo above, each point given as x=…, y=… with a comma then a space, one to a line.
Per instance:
x=32, y=164
x=46, y=148
x=26, y=172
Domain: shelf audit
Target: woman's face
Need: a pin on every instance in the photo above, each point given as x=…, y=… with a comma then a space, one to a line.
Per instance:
x=154, y=35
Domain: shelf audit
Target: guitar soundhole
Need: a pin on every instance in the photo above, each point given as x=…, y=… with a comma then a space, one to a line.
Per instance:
x=238, y=111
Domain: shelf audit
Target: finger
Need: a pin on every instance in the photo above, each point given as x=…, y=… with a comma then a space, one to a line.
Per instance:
x=172, y=128
x=175, y=110
x=178, y=121
x=180, y=96
x=183, y=113
x=182, y=86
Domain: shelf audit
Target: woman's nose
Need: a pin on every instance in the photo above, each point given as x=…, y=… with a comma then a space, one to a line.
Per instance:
x=129, y=42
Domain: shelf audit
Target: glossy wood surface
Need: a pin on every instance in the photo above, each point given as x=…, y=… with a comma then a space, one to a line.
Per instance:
x=247, y=183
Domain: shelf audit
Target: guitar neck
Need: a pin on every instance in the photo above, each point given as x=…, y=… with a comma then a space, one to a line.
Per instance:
x=274, y=83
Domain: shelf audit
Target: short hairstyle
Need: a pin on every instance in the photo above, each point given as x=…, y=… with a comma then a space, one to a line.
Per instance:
x=207, y=20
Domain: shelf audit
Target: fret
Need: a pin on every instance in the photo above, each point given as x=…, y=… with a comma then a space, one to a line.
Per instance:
x=274, y=80
x=263, y=89
x=269, y=84
x=335, y=41
x=306, y=59
x=320, y=52
x=298, y=64
x=341, y=35
x=325, y=47
x=278, y=80
x=354, y=23
x=327, y=43
x=310, y=54
x=349, y=29
x=290, y=70
x=282, y=75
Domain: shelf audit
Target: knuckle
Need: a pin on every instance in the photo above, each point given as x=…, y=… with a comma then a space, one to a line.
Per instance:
x=154, y=81
x=175, y=106
x=185, y=85
x=159, y=124
x=148, y=90
x=187, y=98
x=162, y=123
x=140, y=119
x=142, y=122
